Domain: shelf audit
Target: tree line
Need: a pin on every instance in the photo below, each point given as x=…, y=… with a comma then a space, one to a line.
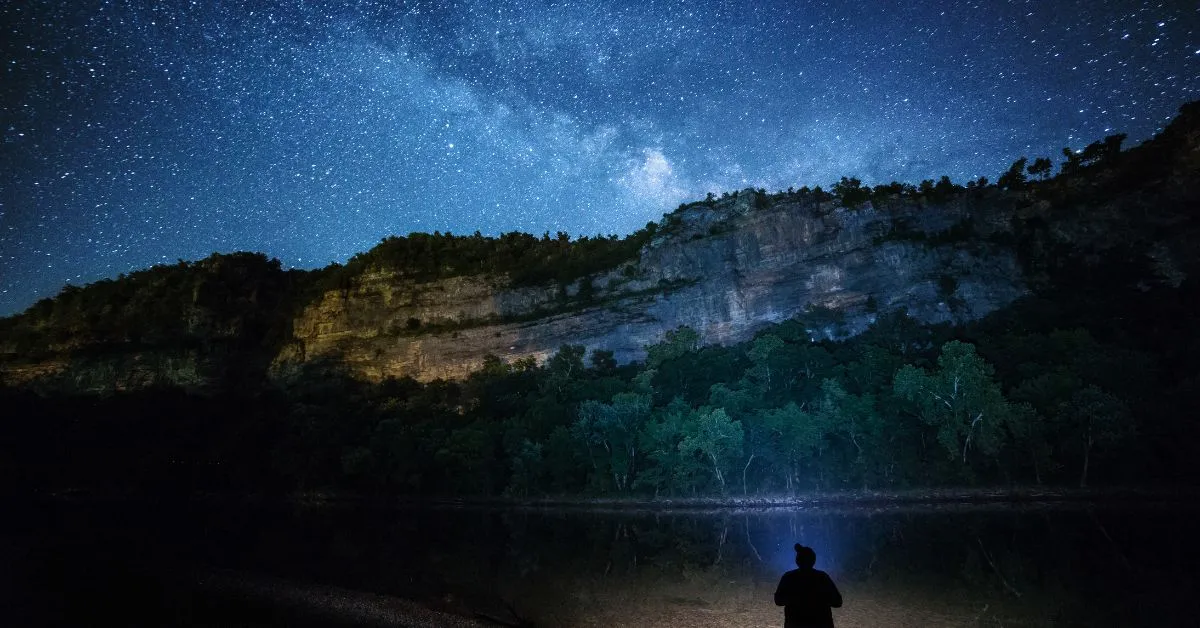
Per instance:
x=1019, y=398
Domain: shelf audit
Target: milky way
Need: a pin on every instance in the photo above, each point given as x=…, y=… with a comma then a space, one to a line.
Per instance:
x=137, y=133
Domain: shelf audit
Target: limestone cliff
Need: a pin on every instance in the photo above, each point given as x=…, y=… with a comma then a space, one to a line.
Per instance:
x=726, y=269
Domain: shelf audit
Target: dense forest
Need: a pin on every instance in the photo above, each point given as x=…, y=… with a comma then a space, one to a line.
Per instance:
x=1092, y=379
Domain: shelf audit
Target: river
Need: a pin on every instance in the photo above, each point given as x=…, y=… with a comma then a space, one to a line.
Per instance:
x=75, y=562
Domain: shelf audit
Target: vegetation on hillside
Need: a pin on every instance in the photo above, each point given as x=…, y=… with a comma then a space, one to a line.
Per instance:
x=1050, y=392
x=243, y=298
x=523, y=258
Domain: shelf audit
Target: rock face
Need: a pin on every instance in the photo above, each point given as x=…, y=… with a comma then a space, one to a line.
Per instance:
x=725, y=269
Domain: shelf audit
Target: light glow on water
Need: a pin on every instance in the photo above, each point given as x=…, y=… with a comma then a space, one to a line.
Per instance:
x=817, y=533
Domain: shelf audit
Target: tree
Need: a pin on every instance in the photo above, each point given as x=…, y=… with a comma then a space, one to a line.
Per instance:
x=526, y=460
x=1014, y=178
x=1041, y=167
x=797, y=438
x=1102, y=151
x=851, y=192
x=710, y=434
x=1099, y=418
x=740, y=403
x=563, y=460
x=677, y=343
x=603, y=361
x=1112, y=145
x=668, y=469
x=854, y=418
x=400, y=453
x=945, y=188
x=1044, y=393
x=760, y=354
x=468, y=456
x=562, y=369
x=959, y=399
x=610, y=432
x=1073, y=163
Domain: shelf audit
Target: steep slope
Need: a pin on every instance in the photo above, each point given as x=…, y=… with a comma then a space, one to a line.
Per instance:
x=724, y=267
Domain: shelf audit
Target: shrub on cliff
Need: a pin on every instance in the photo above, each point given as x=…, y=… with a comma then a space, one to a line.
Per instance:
x=851, y=192
x=1014, y=178
x=524, y=258
x=240, y=297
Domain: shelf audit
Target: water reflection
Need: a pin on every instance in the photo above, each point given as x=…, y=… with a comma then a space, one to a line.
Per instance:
x=1077, y=566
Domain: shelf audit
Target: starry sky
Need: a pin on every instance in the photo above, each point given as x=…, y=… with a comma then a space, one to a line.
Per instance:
x=138, y=132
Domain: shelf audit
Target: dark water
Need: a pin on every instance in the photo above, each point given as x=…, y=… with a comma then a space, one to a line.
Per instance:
x=138, y=563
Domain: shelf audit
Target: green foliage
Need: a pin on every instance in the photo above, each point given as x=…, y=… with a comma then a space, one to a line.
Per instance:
x=940, y=192
x=851, y=192
x=760, y=354
x=712, y=437
x=946, y=189
x=1103, y=150
x=796, y=436
x=610, y=432
x=603, y=361
x=243, y=300
x=960, y=399
x=1073, y=161
x=1097, y=417
x=848, y=417
x=678, y=342
x=778, y=414
x=1041, y=167
x=524, y=258
x=1014, y=177
x=884, y=192
x=1100, y=152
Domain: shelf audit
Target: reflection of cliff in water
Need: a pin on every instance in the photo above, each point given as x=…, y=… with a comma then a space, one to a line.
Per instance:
x=931, y=568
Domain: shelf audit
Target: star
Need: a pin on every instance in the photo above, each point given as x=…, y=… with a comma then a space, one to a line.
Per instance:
x=144, y=132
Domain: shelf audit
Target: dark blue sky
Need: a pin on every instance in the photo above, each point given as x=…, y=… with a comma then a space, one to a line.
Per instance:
x=141, y=132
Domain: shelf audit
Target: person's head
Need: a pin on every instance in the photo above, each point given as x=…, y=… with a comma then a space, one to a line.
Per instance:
x=805, y=557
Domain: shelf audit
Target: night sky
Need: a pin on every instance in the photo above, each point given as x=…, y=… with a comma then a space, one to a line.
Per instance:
x=137, y=133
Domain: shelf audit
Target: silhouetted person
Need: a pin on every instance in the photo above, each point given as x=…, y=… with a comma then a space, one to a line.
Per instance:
x=807, y=594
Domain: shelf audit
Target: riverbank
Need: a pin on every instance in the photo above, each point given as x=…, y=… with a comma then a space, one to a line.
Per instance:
x=906, y=499
x=934, y=497
x=359, y=561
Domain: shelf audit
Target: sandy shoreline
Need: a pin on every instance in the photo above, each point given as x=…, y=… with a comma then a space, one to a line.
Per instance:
x=914, y=499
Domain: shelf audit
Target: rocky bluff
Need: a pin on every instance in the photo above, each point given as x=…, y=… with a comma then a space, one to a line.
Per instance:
x=724, y=267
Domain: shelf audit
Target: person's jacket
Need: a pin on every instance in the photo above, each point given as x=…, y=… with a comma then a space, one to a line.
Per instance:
x=807, y=595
